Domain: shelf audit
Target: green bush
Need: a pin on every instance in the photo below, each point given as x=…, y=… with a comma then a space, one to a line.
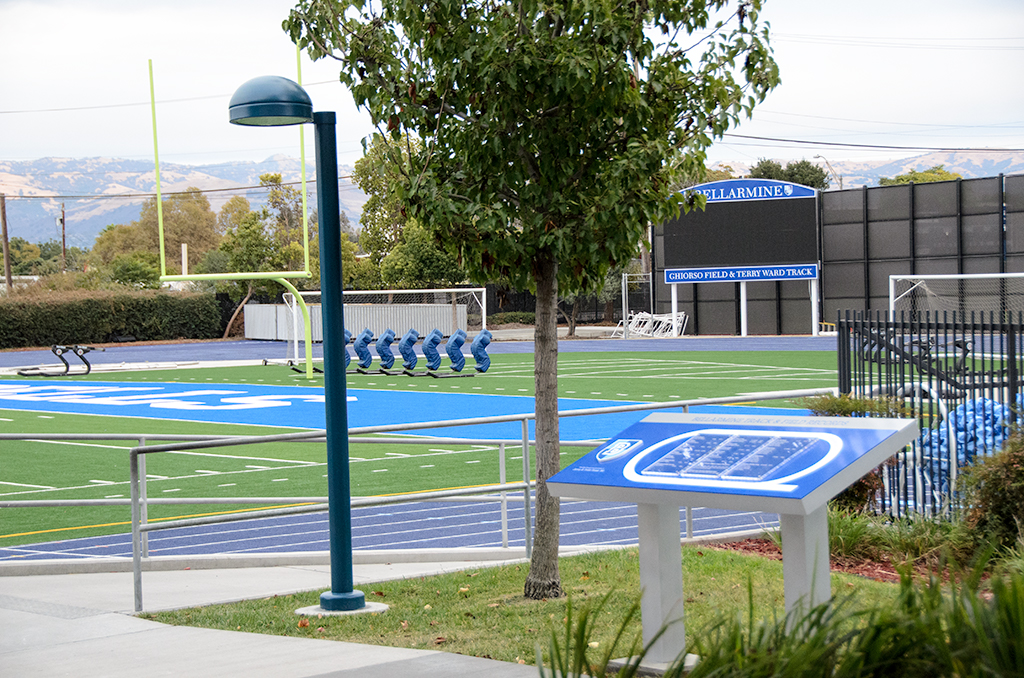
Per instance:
x=511, y=317
x=94, y=317
x=993, y=493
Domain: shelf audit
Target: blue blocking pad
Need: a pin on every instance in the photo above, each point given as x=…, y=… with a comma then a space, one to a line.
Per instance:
x=407, y=348
x=387, y=358
x=360, y=346
x=454, y=350
x=479, y=350
x=430, y=351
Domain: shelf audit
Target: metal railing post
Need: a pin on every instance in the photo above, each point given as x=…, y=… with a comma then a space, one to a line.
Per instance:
x=143, y=499
x=133, y=463
x=504, y=497
x=527, y=511
x=689, y=522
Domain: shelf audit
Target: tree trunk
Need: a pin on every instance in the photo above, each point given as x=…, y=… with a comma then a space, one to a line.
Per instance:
x=241, y=305
x=543, y=580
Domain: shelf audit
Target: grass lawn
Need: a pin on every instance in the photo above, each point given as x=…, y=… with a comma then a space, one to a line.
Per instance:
x=483, y=612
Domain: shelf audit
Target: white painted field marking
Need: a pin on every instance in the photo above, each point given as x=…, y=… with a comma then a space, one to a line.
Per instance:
x=227, y=485
x=177, y=489
x=207, y=473
x=473, y=461
x=103, y=482
x=260, y=468
x=427, y=466
x=279, y=480
x=41, y=487
x=379, y=470
x=75, y=444
x=237, y=456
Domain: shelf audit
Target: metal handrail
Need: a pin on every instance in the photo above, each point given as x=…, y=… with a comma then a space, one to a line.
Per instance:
x=191, y=442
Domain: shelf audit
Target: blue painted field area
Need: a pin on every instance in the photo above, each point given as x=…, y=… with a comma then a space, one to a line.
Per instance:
x=300, y=407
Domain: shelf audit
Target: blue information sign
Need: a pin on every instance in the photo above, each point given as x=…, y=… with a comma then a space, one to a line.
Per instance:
x=741, y=273
x=789, y=465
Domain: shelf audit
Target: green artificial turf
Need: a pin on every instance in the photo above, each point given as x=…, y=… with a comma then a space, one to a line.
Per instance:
x=641, y=377
x=99, y=469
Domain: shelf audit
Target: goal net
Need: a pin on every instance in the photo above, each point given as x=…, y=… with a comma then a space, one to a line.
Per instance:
x=979, y=293
x=447, y=310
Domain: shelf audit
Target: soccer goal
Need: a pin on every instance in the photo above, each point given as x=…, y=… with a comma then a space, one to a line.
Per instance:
x=448, y=310
x=997, y=293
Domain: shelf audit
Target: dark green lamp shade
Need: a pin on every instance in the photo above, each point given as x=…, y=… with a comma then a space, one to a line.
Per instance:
x=270, y=101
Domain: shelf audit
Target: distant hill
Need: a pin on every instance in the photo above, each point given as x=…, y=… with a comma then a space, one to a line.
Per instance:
x=857, y=173
x=91, y=187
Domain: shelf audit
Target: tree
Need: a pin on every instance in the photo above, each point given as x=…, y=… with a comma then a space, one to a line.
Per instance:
x=936, y=173
x=188, y=219
x=140, y=271
x=802, y=172
x=379, y=174
x=552, y=136
x=418, y=262
x=232, y=213
x=767, y=169
x=806, y=173
x=282, y=214
x=250, y=249
x=119, y=240
x=725, y=172
x=23, y=255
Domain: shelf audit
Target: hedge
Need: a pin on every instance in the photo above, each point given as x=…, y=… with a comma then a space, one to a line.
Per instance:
x=98, y=317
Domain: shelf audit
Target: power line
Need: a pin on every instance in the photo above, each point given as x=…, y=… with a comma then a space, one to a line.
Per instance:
x=129, y=196
x=138, y=103
x=959, y=44
x=880, y=147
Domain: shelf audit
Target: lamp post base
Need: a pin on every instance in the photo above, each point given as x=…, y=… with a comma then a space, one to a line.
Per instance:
x=342, y=602
x=317, y=611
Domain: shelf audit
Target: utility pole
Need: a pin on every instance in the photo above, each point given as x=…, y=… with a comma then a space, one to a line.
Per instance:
x=7, y=249
x=63, y=243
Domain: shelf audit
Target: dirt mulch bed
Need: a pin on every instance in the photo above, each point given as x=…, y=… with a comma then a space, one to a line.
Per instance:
x=862, y=567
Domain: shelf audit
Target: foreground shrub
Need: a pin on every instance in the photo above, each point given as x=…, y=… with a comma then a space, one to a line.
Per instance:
x=931, y=631
x=993, y=493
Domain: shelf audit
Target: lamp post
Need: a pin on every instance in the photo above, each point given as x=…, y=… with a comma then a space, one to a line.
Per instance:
x=273, y=101
x=838, y=177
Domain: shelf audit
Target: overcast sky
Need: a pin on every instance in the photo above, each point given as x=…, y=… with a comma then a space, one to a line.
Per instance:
x=74, y=80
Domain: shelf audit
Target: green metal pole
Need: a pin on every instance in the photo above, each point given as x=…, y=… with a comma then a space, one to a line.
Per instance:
x=156, y=162
x=341, y=596
x=307, y=325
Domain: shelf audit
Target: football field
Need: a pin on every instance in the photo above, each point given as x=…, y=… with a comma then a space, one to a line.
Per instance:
x=253, y=400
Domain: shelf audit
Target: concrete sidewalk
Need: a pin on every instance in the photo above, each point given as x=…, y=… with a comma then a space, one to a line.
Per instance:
x=82, y=625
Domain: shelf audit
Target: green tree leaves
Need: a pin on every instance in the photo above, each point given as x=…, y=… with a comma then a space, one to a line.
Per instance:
x=802, y=172
x=552, y=134
x=936, y=173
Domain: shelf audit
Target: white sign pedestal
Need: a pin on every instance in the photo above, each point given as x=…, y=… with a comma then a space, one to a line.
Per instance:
x=788, y=465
